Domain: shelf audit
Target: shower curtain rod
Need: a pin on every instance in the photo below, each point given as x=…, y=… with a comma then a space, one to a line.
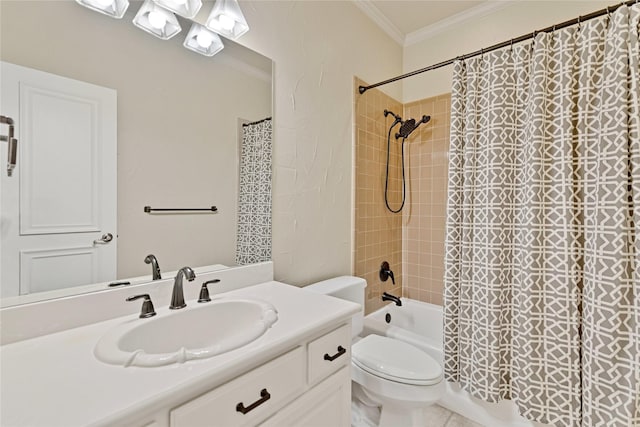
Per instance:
x=578, y=20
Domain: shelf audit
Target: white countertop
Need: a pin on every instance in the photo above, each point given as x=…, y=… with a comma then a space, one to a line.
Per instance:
x=55, y=380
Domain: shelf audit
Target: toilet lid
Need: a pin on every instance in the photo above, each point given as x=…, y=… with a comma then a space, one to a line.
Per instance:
x=395, y=360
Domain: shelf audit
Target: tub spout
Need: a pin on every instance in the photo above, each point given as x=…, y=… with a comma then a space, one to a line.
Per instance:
x=389, y=297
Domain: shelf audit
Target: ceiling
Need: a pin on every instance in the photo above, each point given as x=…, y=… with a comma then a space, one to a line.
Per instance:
x=411, y=21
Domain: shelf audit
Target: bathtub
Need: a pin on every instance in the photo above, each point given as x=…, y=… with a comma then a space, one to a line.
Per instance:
x=420, y=324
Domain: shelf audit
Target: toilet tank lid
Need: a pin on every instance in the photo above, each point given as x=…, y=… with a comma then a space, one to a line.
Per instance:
x=336, y=284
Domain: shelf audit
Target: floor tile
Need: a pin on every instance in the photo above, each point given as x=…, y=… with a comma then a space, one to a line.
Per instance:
x=436, y=416
x=460, y=421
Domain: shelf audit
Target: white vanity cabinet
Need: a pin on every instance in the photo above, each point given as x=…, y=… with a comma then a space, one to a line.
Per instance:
x=295, y=374
x=309, y=385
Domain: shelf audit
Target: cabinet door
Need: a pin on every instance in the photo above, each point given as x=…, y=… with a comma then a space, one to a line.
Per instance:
x=248, y=399
x=326, y=405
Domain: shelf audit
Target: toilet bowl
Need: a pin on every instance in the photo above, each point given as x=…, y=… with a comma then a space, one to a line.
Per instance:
x=392, y=381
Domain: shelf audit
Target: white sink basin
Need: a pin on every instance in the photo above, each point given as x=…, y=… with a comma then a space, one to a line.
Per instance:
x=195, y=332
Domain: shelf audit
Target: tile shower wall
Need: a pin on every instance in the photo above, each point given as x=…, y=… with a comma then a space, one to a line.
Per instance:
x=424, y=217
x=413, y=241
x=378, y=232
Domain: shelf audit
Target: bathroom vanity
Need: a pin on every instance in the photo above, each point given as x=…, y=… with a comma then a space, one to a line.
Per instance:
x=296, y=373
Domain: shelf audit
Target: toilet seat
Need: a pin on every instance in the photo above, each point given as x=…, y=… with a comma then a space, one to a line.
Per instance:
x=395, y=360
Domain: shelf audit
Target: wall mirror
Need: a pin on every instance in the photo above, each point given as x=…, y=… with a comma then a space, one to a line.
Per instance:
x=179, y=119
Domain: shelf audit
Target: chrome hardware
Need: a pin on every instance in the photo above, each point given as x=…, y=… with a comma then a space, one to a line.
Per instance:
x=385, y=273
x=204, y=291
x=155, y=267
x=389, y=297
x=341, y=351
x=177, y=296
x=106, y=238
x=264, y=396
x=12, y=152
x=147, y=305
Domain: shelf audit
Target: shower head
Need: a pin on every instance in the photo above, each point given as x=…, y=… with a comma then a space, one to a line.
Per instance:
x=397, y=118
x=409, y=126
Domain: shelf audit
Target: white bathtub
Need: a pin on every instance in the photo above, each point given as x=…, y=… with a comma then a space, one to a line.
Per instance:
x=420, y=324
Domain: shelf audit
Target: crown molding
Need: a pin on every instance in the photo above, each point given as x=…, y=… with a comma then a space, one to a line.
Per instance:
x=444, y=24
x=380, y=20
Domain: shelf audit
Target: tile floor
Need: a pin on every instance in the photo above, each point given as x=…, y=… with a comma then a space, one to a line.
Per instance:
x=437, y=416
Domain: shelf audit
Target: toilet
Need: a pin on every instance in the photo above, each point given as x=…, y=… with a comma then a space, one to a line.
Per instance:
x=392, y=381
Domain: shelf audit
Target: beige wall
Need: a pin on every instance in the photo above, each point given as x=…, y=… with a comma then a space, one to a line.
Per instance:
x=513, y=20
x=177, y=124
x=424, y=218
x=378, y=232
x=317, y=46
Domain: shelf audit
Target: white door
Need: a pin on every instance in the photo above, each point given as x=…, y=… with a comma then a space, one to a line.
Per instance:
x=62, y=195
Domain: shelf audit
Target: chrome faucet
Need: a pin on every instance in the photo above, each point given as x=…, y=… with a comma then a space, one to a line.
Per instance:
x=389, y=297
x=177, y=296
x=155, y=267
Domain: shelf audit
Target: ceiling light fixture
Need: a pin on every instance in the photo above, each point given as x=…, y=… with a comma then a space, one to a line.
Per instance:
x=227, y=19
x=186, y=8
x=112, y=8
x=157, y=21
x=201, y=40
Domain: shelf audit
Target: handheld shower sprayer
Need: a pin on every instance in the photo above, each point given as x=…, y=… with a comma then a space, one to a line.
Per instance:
x=406, y=128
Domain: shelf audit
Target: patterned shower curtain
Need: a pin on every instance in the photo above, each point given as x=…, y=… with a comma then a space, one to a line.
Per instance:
x=254, y=200
x=542, y=266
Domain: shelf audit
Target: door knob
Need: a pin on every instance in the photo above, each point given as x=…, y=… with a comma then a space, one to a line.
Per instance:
x=106, y=238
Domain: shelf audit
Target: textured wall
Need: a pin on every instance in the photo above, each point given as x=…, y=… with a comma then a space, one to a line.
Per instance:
x=317, y=47
x=378, y=232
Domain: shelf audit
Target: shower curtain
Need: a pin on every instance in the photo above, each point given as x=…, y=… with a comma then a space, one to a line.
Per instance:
x=542, y=264
x=254, y=199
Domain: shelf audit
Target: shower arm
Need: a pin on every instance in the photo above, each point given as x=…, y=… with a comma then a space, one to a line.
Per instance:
x=12, y=151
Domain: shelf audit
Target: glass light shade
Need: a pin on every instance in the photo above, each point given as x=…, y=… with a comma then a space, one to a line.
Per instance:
x=186, y=8
x=201, y=40
x=157, y=21
x=112, y=8
x=227, y=19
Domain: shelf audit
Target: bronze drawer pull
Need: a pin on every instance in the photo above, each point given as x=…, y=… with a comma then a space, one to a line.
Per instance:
x=341, y=351
x=264, y=396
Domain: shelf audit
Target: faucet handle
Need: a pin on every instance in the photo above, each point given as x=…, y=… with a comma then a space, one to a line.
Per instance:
x=385, y=272
x=204, y=291
x=147, y=305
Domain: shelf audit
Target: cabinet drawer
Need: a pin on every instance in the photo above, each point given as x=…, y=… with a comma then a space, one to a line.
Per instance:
x=326, y=404
x=329, y=353
x=258, y=393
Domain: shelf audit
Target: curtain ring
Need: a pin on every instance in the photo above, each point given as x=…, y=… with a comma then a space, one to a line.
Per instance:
x=511, y=45
x=533, y=37
x=579, y=19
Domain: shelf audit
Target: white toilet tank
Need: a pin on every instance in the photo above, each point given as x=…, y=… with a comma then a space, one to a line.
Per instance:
x=349, y=288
